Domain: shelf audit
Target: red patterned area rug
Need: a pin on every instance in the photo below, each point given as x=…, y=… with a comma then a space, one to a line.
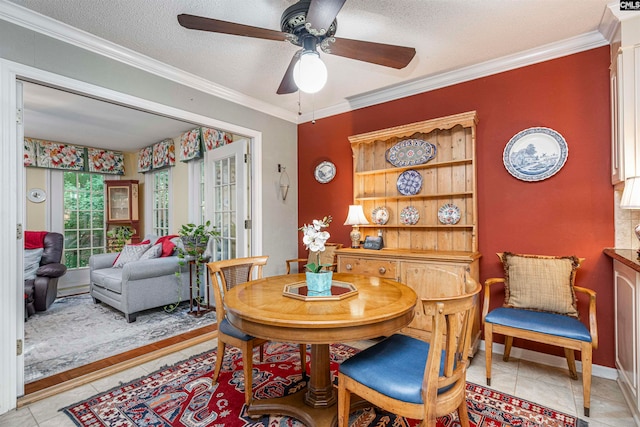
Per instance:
x=183, y=396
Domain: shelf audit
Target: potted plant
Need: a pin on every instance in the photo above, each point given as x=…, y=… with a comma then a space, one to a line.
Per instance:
x=195, y=238
x=118, y=236
x=318, y=276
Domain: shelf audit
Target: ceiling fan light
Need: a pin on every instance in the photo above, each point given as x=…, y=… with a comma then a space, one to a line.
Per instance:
x=310, y=73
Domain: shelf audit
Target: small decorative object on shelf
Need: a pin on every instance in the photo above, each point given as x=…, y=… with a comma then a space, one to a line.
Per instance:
x=409, y=215
x=409, y=182
x=449, y=214
x=380, y=215
x=355, y=218
x=314, y=239
x=410, y=152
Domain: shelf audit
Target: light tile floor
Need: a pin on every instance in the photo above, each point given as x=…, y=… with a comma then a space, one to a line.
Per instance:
x=538, y=383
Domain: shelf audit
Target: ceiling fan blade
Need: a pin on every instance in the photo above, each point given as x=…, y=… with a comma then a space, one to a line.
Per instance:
x=322, y=13
x=375, y=53
x=288, y=85
x=216, y=26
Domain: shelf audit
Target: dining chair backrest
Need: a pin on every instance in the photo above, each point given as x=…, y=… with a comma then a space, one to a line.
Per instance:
x=227, y=274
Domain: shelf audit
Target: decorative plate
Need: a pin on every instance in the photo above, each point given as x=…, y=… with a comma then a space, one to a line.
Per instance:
x=410, y=152
x=535, y=154
x=37, y=195
x=380, y=215
x=325, y=172
x=409, y=182
x=449, y=214
x=409, y=215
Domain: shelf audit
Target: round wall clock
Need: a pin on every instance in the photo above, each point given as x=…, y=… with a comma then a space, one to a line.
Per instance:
x=37, y=195
x=325, y=172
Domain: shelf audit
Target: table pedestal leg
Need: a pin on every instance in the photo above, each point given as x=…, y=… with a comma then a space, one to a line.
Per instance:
x=320, y=391
x=314, y=405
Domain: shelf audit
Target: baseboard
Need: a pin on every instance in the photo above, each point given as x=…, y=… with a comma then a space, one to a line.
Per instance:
x=551, y=360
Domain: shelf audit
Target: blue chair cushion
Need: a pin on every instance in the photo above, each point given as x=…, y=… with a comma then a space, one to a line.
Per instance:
x=228, y=329
x=393, y=367
x=538, y=321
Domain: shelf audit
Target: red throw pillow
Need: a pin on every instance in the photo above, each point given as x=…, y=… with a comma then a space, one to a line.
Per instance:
x=167, y=245
x=34, y=239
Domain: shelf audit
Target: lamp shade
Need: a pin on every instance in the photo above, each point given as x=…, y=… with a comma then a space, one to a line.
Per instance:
x=356, y=216
x=310, y=73
x=631, y=194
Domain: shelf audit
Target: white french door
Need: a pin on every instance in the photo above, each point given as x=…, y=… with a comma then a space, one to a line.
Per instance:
x=227, y=199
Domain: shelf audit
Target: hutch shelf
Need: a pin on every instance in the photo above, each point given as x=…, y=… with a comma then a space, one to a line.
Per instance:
x=432, y=257
x=122, y=206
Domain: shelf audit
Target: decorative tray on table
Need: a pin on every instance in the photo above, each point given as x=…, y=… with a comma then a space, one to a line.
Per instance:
x=339, y=290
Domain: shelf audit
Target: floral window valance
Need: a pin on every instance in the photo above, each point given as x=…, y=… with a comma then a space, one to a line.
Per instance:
x=157, y=156
x=190, y=145
x=56, y=155
x=214, y=138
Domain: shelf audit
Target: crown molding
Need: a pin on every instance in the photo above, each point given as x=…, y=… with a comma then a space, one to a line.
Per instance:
x=543, y=53
x=31, y=20
x=42, y=24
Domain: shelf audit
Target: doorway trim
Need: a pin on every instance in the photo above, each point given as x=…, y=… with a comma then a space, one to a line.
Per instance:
x=12, y=208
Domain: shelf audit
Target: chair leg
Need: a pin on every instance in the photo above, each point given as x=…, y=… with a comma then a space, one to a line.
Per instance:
x=508, y=342
x=247, y=361
x=586, y=376
x=463, y=414
x=261, y=353
x=219, y=358
x=303, y=360
x=488, y=343
x=571, y=363
x=344, y=403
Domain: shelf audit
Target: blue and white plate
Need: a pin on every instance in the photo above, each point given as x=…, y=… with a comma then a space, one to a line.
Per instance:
x=449, y=214
x=410, y=152
x=535, y=154
x=409, y=182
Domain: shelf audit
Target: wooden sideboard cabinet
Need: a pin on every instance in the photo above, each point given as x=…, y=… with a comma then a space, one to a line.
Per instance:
x=428, y=273
x=122, y=205
x=433, y=256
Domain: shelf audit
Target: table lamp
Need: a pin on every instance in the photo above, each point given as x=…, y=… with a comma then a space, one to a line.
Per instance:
x=631, y=199
x=356, y=218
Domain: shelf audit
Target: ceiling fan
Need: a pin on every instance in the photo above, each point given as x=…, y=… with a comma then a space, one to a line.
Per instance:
x=309, y=24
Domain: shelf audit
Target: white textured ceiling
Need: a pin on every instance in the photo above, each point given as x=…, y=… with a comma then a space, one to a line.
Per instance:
x=447, y=35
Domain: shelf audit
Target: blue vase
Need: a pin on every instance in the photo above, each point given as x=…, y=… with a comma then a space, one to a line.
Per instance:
x=319, y=284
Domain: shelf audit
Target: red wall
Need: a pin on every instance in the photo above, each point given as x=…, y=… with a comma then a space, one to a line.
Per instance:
x=569, y=213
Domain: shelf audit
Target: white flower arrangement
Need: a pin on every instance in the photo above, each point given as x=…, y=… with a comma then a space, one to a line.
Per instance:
x=314, y=239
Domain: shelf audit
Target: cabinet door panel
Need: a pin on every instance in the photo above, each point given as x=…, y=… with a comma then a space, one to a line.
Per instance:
x=626, y=330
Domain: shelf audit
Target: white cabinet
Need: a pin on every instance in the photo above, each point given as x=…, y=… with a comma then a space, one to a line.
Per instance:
x=626, y=282
x=625, y=101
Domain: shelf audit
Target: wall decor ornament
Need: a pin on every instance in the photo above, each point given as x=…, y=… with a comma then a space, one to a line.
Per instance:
x=535, y=154
x=325, y=172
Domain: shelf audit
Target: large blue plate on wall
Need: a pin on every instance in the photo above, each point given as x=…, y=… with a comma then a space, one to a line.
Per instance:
x=535, y=154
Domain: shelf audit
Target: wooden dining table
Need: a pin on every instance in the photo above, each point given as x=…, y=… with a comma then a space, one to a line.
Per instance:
x=275, y=308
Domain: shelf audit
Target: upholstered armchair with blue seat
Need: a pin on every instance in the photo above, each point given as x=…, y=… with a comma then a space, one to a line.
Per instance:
x=414, y=378
x=541, y=305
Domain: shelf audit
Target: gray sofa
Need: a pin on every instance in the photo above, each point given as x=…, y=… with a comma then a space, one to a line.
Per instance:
x=138, y=285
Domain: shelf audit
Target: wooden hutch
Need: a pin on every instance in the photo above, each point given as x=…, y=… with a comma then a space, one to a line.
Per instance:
x=122, y=207
x=432, y=257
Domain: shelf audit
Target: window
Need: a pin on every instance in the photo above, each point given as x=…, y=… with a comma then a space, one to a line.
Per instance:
x=83, y=217
x=160, y=203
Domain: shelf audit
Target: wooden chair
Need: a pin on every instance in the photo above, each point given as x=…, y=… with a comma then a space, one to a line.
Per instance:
x=414, y=378
x=540, y=325
x=225, y=275
x=327, y=257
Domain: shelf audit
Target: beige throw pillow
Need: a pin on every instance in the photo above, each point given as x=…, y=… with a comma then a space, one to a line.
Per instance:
x=541, y=283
